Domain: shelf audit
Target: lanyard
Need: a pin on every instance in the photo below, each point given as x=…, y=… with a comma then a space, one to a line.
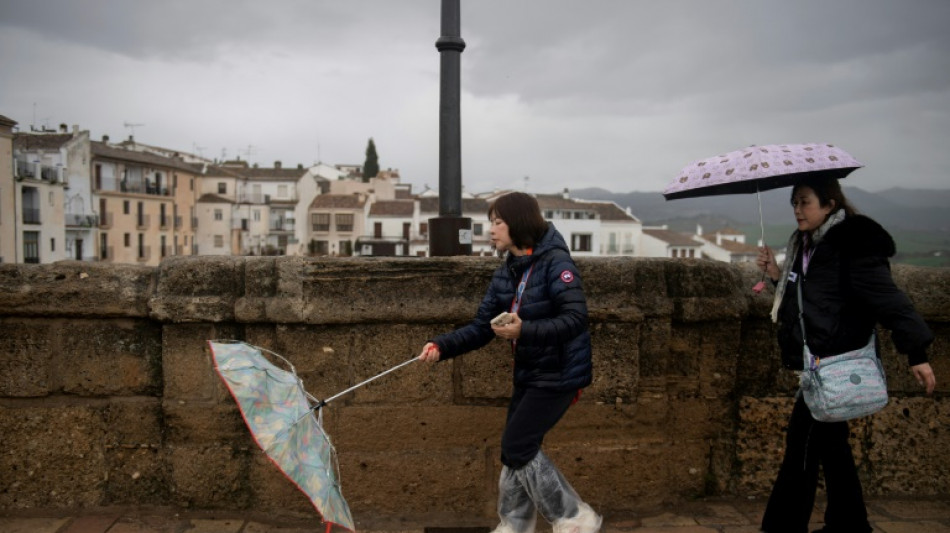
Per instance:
x=516, y=301
x=806, y=253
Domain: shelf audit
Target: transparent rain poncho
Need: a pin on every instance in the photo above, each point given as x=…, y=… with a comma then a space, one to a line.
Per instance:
x=540, y=487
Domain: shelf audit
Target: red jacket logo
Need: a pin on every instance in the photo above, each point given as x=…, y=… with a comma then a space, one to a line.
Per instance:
x=567, y=276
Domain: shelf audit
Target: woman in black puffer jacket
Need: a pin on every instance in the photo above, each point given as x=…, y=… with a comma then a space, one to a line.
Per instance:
x=539, y=290
x=840, y=260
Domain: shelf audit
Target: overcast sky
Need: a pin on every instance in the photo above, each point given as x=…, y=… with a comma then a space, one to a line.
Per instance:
x=616, y=94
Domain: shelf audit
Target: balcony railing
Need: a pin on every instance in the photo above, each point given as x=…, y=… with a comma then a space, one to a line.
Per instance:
x=83, y=221
x=31, y=215
x=105, y=221
x=25, y=169
x=142, y=221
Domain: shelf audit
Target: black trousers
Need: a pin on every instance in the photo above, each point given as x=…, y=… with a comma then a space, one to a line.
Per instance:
x=531, y=414
x=810, y=444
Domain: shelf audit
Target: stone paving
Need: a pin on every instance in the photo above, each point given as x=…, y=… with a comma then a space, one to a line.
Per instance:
x=718, y=516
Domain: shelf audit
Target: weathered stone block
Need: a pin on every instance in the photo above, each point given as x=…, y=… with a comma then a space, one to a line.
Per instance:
x=204, y=424
x=52, y=456
x=209, y=476
x=136, y=474
x=188, y=365
x=109, y=358
x=367, y=428
x=901, y=447
x=388, y=484
x=197, y=289
x=26, y=351
x=75, y=289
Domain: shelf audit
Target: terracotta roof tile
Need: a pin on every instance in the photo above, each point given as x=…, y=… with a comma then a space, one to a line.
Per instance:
x=100, y=149
x=338, y=201
x=672, y=237
x=42, y=141
x=396, y=208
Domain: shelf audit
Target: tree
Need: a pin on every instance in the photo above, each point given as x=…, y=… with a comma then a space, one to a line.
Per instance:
x=371, y=165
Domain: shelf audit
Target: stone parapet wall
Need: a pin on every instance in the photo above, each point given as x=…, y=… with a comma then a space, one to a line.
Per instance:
x=108, y=394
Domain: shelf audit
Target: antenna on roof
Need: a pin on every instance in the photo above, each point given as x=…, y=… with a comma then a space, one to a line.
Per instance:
x=131, y=127
x=526, y=178
x=251, y=149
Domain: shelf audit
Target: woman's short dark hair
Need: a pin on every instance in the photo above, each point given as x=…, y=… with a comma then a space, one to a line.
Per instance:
x=827, y=189
x=521, y=212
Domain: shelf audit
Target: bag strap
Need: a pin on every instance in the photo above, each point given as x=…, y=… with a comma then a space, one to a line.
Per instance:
x=801, y=307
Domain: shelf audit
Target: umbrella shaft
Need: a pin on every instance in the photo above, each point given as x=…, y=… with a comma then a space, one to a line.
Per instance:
x=358, y=385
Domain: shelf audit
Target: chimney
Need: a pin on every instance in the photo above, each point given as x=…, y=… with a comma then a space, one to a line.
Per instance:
x=276, y=164
x=564, y=194
x=105, y=138
x=75, y=128
x=699, y=230
x=63, y=128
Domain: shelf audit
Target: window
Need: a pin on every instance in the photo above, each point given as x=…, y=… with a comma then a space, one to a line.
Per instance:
x=104, y=246
x=31, y=205
x=549, y=215
x=222, y=188
x=344, y=222
x=218, y=214
x=219, y=241
x=52, y=245
x=581, y=242
x=477, y=229
x=423, y=228
x=321, y=247
x=142, y=246
x=31, y=247
x=163, y=251
x=320, y=222
x=126, y=208
x=127, y=239
x=257, y=215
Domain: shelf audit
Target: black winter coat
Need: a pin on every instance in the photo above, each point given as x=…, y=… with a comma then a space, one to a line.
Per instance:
x=847, y=290
x=554, y=349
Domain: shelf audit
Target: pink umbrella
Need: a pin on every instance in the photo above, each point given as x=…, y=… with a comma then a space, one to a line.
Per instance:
x=760, y=168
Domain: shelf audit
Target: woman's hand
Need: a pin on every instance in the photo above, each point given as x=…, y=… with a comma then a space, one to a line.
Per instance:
x=767, y=263
x=430, y=353
x=925, y=376
x=511, y=330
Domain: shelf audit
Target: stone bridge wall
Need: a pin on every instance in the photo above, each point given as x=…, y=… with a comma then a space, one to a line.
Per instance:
x=108, y=396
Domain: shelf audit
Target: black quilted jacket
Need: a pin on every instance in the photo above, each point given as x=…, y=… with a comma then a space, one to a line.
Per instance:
x=554, y=350
x=847, y=290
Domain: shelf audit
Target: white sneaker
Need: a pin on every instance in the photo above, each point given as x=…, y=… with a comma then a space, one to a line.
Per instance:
x=585, y=521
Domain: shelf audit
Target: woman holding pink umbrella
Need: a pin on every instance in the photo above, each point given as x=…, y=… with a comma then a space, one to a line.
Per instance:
x=839, y=260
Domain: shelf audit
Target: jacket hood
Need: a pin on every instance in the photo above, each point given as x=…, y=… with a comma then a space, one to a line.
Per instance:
x=552, y=240
x=860, y=236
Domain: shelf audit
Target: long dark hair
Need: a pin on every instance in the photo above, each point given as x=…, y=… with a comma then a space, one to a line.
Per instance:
x=520, y=211
x=827, y=190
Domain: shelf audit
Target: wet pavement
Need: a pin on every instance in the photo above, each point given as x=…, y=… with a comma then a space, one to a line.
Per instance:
x=923, y=515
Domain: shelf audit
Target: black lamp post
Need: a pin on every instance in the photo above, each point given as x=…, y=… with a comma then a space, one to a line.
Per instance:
x=450, y=233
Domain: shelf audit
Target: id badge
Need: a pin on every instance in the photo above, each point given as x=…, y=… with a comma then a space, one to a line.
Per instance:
x=793, y=277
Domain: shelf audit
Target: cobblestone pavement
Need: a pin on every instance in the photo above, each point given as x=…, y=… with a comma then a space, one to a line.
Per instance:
x=718, y=516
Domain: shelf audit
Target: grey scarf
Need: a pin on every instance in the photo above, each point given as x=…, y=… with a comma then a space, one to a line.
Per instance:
x=791, y=252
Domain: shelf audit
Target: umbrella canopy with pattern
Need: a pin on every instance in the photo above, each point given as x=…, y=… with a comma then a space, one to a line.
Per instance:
x=286, y=423
x=760, y=168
